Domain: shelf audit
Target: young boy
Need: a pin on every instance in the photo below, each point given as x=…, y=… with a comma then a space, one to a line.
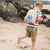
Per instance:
x=31, y=27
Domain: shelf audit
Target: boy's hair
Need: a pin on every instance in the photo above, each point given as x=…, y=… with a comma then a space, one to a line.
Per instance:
x=38, y=4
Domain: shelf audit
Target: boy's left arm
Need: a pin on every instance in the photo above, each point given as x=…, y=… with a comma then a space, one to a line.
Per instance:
x=40, y=17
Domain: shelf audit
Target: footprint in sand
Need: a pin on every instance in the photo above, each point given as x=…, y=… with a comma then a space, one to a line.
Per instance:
x=11, y=40
x=23, y=45
x=45, y=49
x=3, y=41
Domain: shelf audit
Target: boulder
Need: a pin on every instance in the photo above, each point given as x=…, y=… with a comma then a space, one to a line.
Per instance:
x=4, y=5
x=45, y=11
x=11, y=10
x=8, y=12
x=48, y=23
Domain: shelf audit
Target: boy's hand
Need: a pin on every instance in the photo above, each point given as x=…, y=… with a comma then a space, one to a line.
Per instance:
x=40, y=19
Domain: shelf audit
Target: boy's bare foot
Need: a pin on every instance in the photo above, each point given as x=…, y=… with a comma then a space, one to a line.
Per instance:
x=19, y=40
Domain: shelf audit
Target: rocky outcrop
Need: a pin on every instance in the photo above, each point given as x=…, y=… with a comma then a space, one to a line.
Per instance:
x=48, y=23
x=15, y=10
x=8, y=12
x=12, y=10
x=46, y=11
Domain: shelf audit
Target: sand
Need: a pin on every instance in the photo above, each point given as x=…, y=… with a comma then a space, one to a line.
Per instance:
x=9, y=33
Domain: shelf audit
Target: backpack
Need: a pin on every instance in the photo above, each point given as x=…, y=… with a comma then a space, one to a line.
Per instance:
x=31, y=17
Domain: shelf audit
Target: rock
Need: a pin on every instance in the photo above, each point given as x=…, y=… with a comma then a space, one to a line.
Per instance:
x=3, y=4
x=19, y=4
x=48, y=23
x=46, y=11
x=44, y=20
x=15, y=10
x=8, y=12
x=11, y=8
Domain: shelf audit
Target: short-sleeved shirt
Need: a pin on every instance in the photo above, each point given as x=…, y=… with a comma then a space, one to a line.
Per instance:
x=39, y=14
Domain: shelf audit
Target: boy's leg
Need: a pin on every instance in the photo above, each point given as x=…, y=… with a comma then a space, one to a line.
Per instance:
x=33, y=45
x=33, y=37
x=27, y=35
x=19, y=39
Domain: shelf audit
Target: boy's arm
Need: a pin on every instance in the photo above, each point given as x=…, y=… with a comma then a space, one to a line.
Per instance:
x=40, y=17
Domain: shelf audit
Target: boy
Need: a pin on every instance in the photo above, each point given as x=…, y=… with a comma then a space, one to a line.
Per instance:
x=31, y=27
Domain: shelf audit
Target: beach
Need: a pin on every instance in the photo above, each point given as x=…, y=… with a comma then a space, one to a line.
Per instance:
x=9, y=33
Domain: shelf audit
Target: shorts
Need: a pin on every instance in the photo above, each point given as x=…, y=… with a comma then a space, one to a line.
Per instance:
x=31, y=32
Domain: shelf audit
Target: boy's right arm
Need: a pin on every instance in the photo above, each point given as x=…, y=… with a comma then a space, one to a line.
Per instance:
x=40, y=16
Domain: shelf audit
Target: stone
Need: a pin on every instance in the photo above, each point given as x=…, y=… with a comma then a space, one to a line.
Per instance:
x=48, y=23
x=11, y=8
x=46, y=11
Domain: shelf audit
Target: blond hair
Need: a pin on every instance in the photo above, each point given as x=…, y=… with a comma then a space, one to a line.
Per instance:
x=38, y=4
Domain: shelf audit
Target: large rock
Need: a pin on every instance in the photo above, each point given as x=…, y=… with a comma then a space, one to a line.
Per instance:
x=11, y=10
x=8, y=12
x=48, y=23
x=46, y=11
x=20, y=6
x=45, y=19
x=4, y=5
